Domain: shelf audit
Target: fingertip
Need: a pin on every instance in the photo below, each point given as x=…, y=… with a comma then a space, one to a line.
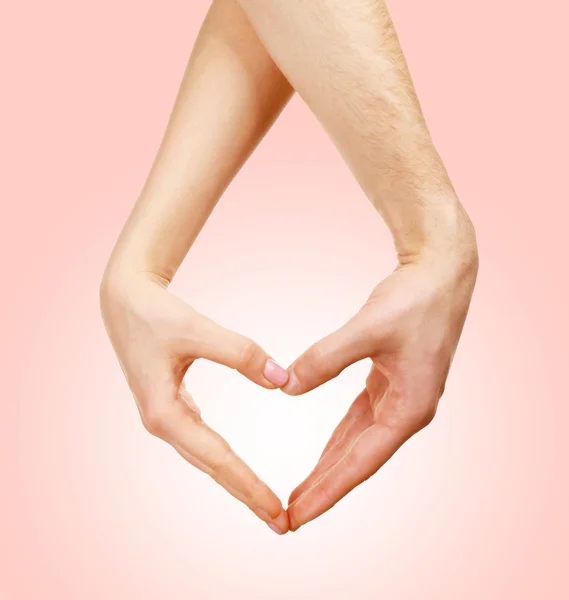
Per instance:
x=282, y=522
x=279, y=524
x=294, y=525
x=292, y=387
x=275, y=374
x=274, y=528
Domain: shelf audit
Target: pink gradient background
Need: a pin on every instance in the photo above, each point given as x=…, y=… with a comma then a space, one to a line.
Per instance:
x=92, y=507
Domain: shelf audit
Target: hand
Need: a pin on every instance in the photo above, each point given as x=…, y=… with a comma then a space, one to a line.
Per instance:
x=157, y=337
x=409, y=327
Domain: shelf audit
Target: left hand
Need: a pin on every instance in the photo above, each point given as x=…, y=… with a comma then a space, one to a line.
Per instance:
x=409, y=327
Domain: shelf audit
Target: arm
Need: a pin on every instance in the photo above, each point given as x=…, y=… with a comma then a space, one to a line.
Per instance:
x=230, y=95
x=344, y=59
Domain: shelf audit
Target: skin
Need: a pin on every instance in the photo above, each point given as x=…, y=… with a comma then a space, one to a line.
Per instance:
x=230, y=95
x=344, y=59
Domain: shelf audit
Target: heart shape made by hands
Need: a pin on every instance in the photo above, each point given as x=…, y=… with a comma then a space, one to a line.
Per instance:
x=409, y=327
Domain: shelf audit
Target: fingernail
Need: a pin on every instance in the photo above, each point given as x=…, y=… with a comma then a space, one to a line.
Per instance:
x=263, y=514
x=282, y=521
x=293, y=385
x=275, y=528
x=275, y=373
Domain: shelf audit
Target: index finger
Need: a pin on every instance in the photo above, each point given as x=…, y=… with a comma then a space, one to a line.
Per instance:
x=369, y=451
x=204, y=448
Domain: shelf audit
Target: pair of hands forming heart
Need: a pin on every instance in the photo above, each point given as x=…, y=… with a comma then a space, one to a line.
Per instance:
x=345, y=61
x=409, y=327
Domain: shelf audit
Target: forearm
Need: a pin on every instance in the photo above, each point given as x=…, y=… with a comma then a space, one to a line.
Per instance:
x=344, y=59
x=230, y=95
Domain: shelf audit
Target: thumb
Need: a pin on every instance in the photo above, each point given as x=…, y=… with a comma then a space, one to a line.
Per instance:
x=326, y=359
x=218, y=344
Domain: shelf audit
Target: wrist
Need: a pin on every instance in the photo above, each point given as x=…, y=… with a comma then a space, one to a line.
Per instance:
x=440, y=231
x=119, y=278
x=134, y=258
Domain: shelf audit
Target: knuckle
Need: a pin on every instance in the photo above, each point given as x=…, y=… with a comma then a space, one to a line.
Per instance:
x=155, y=418
x=326, y=496
x=249, y=355
x=313, y=364
x=256, y=491
x=422, y=415
x=218, y=463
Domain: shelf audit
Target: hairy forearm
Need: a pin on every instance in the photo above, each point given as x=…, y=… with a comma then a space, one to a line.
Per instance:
x=230, y=95
x=343, y=57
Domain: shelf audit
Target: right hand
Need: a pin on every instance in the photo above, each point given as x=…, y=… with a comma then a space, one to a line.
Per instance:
x=156, y=337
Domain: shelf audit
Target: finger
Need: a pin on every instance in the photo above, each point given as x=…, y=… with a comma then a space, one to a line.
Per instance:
x=360, y=406
x=183, y=428
x=216, y=343
x=358, y=418
x=334, y=455
x=330, y=356
x=366, y=454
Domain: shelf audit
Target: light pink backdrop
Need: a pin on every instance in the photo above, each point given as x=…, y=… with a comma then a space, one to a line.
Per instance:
x=92, y=507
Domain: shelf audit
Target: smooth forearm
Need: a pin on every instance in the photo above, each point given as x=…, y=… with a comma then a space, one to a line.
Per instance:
x=230, y=95
x=345, y=60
